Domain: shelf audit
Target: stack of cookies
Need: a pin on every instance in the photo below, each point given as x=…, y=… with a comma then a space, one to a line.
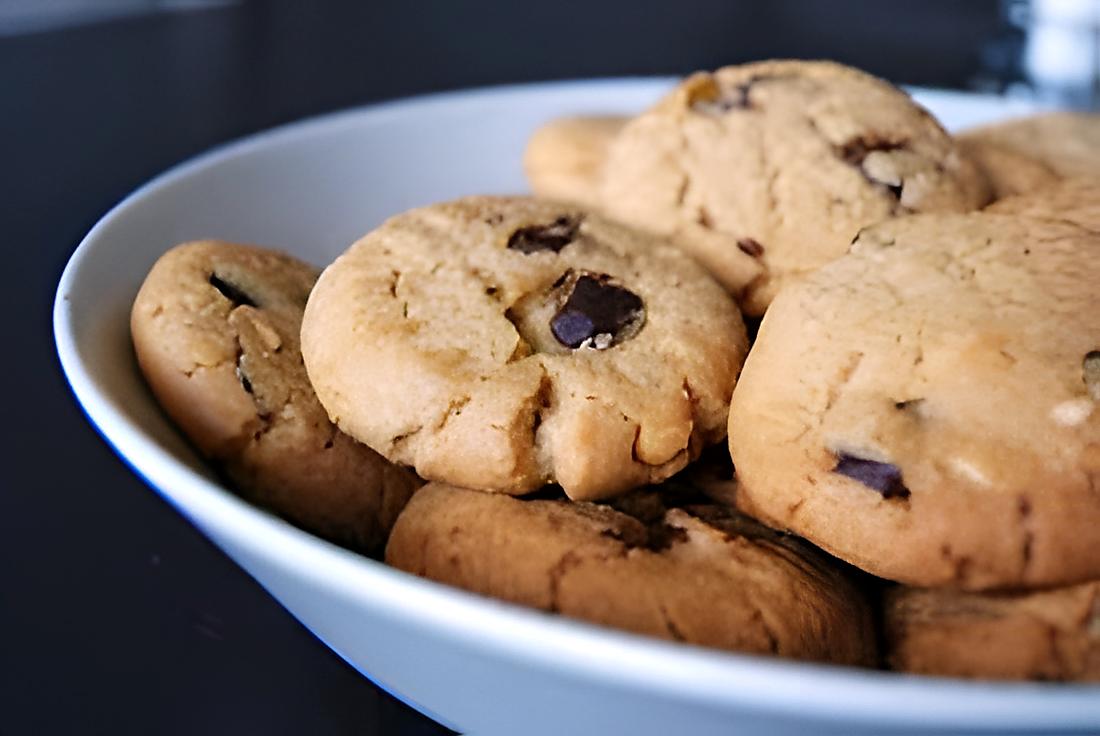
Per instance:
x=914, y=426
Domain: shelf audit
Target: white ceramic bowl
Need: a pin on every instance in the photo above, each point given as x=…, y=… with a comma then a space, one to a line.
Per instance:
x=474, y=664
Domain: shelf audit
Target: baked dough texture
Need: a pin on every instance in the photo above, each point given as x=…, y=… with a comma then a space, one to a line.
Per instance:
x=564, y=159
x=215, y=330
x=766, y=171
x=1067, y=142
x=506, y=343
x=1043, y=635
x=1075, y=200
x=1008, y=171
x=652, y=563
x=926, y=407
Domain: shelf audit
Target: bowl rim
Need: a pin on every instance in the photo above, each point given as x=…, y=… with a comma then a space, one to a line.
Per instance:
x=685, y=673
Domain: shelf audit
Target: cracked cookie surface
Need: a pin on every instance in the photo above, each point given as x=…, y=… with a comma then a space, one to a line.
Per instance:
x=766, y=171
x=505, y=343
x=1045, y=635
x=926, y=406
x=216, y=328
x=656, y=561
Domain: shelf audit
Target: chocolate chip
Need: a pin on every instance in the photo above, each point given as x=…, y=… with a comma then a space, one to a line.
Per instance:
x=553, y=236
x=231, y=292
x=883, y=477
x=597, y=312
x=856, y=149
x=751, y=247
x=738, y=97
x=572, y=328
x=1090, y=368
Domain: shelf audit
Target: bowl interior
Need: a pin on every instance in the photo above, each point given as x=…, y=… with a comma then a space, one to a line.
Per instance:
x=311, y=189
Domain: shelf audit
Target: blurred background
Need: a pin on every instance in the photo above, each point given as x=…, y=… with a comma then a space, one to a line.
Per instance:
x=116, y=616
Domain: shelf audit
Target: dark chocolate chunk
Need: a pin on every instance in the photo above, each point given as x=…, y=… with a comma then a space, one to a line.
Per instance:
x=738, y=97
x=572, y=328
x=231, y=292
x=855, y=150
x=553, y=236
x=883, y=477
x=751, y=246
x=595, y=308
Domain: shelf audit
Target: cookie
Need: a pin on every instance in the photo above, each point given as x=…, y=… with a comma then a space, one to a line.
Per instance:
x=1075, y=200
x=766, y=171
x=505, y=343
x=1067, y=142
x=651, y=564
x=926, y=407
x=1008, y=172
x=1045, y=635
x=564, y=158
x=215, y=329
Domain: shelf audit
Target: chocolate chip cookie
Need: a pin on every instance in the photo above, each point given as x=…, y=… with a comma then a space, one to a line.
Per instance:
x=1067, y=142
x=1044, y=635
x=215, y=329
x=656, y=562
x=926, y=406
x=504, y=343
x=766, y=171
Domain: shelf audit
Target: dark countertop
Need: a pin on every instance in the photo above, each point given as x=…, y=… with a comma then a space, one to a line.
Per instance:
x=116, y=615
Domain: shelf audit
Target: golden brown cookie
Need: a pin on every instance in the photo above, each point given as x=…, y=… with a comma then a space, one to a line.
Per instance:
x=1075, y=200
x=564, y=158
x=505, y=343
x=653, y=563
x=1045, y=635
x=1008, y=172
x=926, y=406
x=215, y=328
x=766, y=171
x=1067, y=142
